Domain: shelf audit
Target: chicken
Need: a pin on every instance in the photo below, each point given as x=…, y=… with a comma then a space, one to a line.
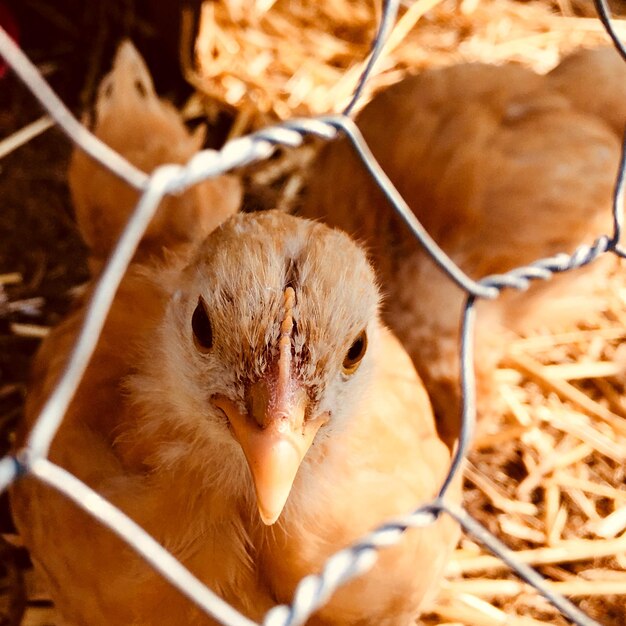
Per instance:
x=252, y=373
x=247, y=407
x=149, y=132
x=502, y=167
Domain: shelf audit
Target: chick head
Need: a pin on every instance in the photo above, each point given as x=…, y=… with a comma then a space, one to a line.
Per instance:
x=267, y=345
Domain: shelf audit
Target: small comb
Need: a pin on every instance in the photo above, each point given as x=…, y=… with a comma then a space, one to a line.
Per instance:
x=284, y=342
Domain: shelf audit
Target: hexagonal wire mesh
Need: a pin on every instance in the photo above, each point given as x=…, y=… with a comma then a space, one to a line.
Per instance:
x=314, y=590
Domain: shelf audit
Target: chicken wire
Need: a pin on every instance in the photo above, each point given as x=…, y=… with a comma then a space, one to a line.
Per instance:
x=313, y=590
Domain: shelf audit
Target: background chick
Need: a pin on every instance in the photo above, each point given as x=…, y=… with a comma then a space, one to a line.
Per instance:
x=159, y=427
x=148, y=131
x=502, y=166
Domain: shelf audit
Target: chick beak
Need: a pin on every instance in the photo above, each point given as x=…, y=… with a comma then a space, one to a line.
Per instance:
x=274, y=437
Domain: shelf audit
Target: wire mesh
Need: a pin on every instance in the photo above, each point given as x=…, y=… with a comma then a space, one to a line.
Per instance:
x=314, y=590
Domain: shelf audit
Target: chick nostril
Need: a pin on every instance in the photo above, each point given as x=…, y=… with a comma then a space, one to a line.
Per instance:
x=222, y=413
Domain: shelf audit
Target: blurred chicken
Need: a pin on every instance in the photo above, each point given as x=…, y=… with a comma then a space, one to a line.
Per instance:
x=247, y=407
x=502, y=167
x=148, y=131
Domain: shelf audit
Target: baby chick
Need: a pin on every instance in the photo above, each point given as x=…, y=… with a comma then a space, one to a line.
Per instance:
x=246, y=406
x=503, y=167
x=148, y=131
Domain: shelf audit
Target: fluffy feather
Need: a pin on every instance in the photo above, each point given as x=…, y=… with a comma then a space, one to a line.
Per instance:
x=147, y=431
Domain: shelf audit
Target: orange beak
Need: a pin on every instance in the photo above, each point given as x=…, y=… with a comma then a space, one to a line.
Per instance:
x=274, y=437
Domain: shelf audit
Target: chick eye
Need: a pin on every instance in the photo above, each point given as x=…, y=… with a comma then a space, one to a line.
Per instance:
x=201, y=326
x=354, y=355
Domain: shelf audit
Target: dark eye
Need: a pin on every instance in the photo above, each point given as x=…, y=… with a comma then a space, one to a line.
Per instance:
x=201, y=326
x=354, y=355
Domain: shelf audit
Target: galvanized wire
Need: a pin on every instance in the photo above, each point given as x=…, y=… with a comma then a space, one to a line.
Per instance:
x=314, y=590
x=389, y=14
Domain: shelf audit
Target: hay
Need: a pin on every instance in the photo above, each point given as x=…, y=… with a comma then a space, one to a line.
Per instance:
x=24, y=135
x=264, y=60
x=546, y=475
x=273, y=60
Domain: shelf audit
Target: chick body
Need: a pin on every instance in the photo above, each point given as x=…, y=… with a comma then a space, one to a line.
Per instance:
x=143, y=432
